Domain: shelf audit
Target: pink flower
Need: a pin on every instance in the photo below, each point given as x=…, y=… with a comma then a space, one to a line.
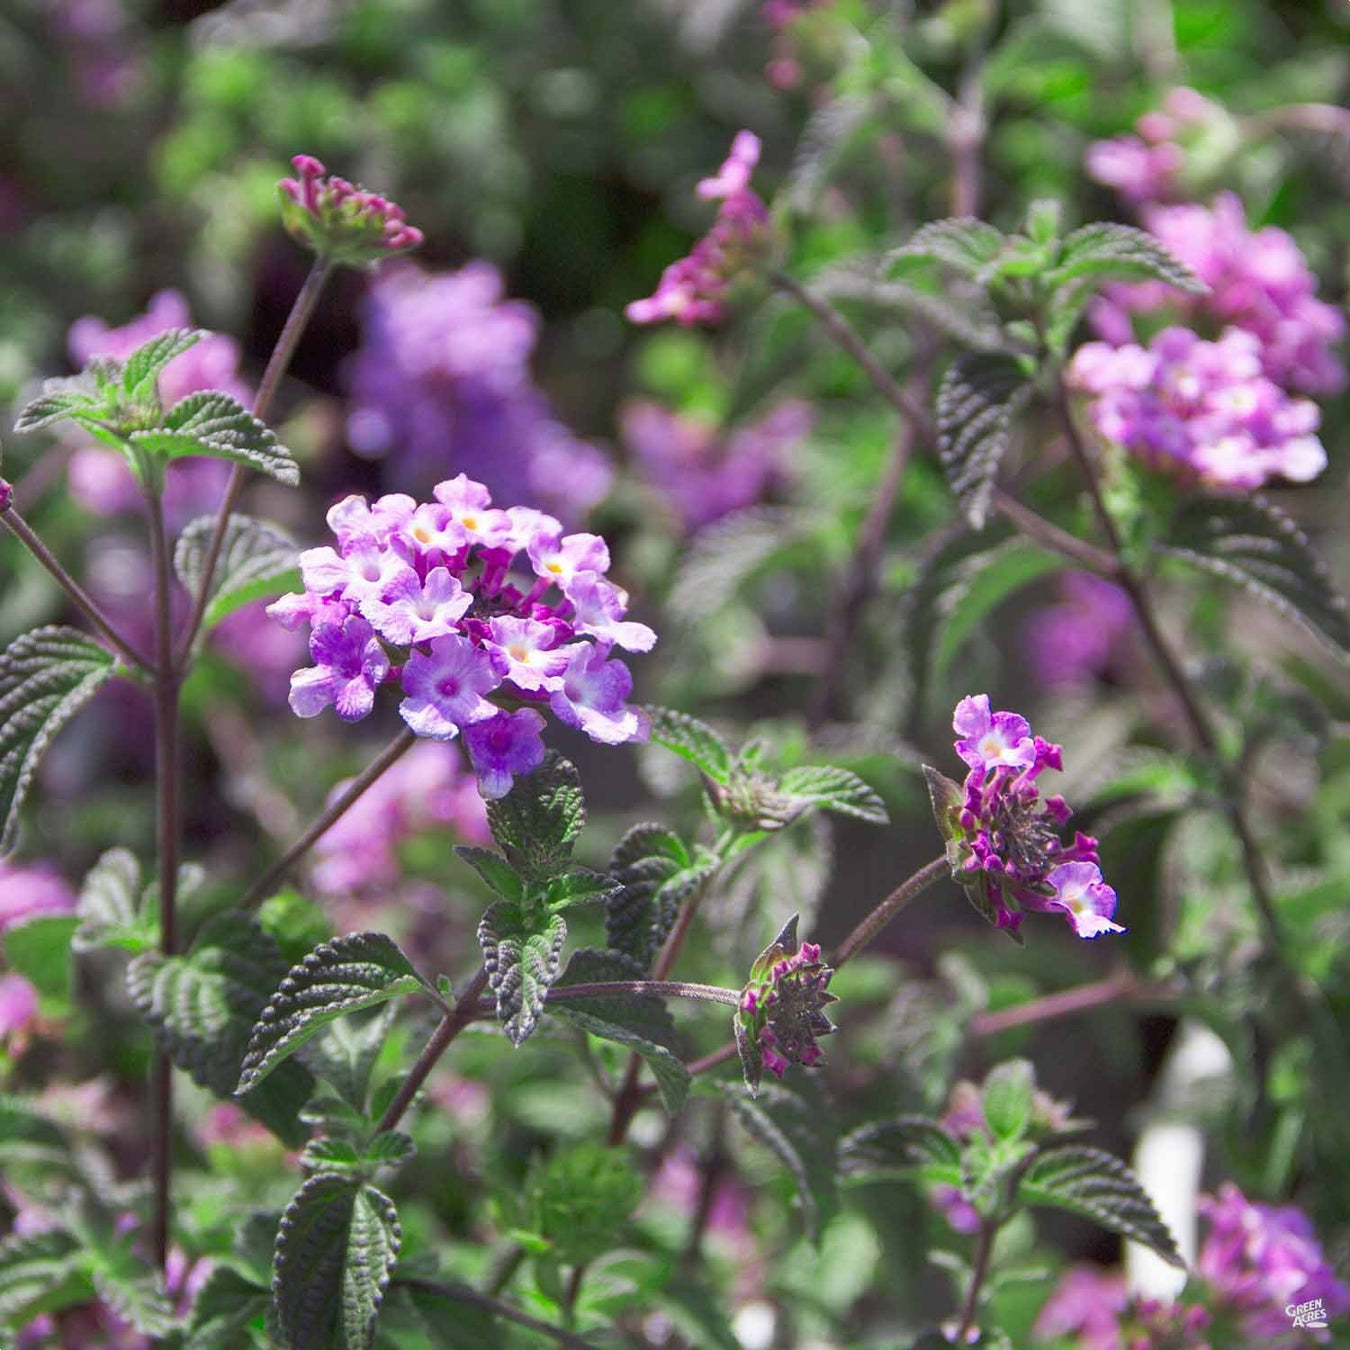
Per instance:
x=734, y=175
x=558, y=559
x=444, y=689
x=508, y=744
x=410, y=610
x=31, y=892
x=18, y=1005
x=349, y=664
x=600, y=609
x=992, y=739
x=1084, y=898
x=592, y=698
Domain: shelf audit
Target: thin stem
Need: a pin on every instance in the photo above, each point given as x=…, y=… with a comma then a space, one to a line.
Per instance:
x=464, y=1012
x=714, y=1167
x=965, y=140
x=22, y=531
x=327, y=818
x=462, y=1293
x=1051, y=538
x=296, y=322
x=983, y=1247
x=167, y=829
x=1065, y=1003
x=872, y=925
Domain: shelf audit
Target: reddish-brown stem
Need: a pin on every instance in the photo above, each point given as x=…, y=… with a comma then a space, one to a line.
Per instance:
x=1065, y=1003
x=867, y=931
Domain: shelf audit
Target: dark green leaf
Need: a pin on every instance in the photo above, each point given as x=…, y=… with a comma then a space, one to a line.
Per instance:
x=963, y=243
x=1250, y=542
x=1100, y=1187
x=655, y=873
x=581, y=1197
x=336, y=1247
x=905, y=1147
x=345, y=1053
x=41, y=1272
x=31, y=1140
x=257, y=561
x=39, y=949
x=979, y=396
x=499, y=875
x=215, y=424
x=145, y=363
x=692, y=740
x=433, y=1313
x=127, y=1283
x=640, y=1021
x=834, y=789
x=578, y=886
x=361, y=970
x=226, y=1305
x=522, y=962
x=538, y=821
x=1109, y=252
x=46, y=677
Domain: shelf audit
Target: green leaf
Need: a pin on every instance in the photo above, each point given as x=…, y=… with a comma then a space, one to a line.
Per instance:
x=110, y=910
x=361, y=970
x=132, y=1288
x=442, y=1321
x=1253, y=544
x=829, y=133
x=522, y=961
x=143, y=366
x=962, y=243
x=538, y=821
x=40, y=1272
x=214, y=424
x=496, y=872
x=346, y=1051
x=980, y=393
x=655, y=872
x=578, y=886
x=225, y=1307
x=257, y=561
x=581, y=1197
x=1100, y=1187
x=1109, y=252
x=202, y=1008
x=31, y=1140
x=692, y=740
x=797, y=1121
x=71, y=398
x=336, y=1248
x=909, y=1146
x=39, y=950
x=834, y=789
x=642, y=1022
x=1006, y=1098
x=390, y=1149
x=46, y=677
x=726, y=556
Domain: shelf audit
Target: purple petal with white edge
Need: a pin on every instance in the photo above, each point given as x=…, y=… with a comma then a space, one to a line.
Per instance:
x=323, y=571
x=1086, y=900
x=600, y=607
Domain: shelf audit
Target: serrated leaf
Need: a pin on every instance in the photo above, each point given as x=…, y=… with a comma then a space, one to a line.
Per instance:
x=40, y=1272
x=390, y=1149
x=578, y=886
x=328, y=1154
x=143, y=366
x=345, y=1053
x=1252, y=543
x=980, y=393
x=256, y=561
x=335, y=1249
x=908, y=1146
x=834, y=789
x=219, y=426
x=692, y=740
x=46, y=677
x=496, y=872
x=797, y=1121
x=225, y=1306
x=32, y=1140
x=361, y=970
x=963, y=243
x=640, y=1021
x=655, y=873
x=580, y=1198
x=1106, y=251
x=64, y=399
x=129, y=1286
x=109, y=906
x=538, y=821
x=1100, y=1187
x=521, y=962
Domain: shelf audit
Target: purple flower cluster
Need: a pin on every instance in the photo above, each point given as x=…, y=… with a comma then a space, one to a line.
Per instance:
x=1262, y=1261
x=442, y=380
x=1004, y=844
x=1203, y=410
x=702, y=475
x=781, y=1007
x=339, y=220
x=1074, y=640
x=1092, y=1305
x=427, y=585
x=1145, y=167
x=1259, y=281
x=696, y=289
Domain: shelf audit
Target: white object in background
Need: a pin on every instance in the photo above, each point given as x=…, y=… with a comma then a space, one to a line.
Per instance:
x=1170, y=1156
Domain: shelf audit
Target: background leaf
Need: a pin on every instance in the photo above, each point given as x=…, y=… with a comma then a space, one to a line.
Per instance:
x=257, y=562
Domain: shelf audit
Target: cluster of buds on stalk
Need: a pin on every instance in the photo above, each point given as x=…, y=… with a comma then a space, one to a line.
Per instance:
x=340, y=221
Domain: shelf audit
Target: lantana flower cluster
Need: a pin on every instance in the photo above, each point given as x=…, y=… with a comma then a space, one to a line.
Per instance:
x=339, y=220
x=783, y=1005
x=1203, y=410
x=1002, y=835
x=696, y=289
x=421, y=594
x=1094, y=1306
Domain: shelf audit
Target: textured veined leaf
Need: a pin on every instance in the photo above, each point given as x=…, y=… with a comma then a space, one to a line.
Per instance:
x=496, y=872
x=1100, y=1187
x=344, y=1054
x=30, y=1140
x=40, y=1272
x=128, y=1284
x=906, y=1146
x=390, y=1149
x=830, y=788
x=692, y=740
x=522, y=962
x=655, y=873
x=979, y=395
x=257, y=561
x=797, y=1121
x=69, y=398
x=143, y=366
x=1252, y=543
x=577, y=886
x=219, y=426
x=361, y=970
x=963, y=243
x=640, y=1021
x=335, y=1250
x=1110, y=252
x=46, y=677
x=109, y=901
x=538, y=821
x=225, y=1306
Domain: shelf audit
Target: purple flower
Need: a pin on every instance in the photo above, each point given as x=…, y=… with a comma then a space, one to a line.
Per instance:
x=525, y=652
x=600, y=607
x=349, y=664
x=1084, y=898
x=18, y=1006
x=1071, y=642
x=696, y=289
x=503, y=747
x=444, y=688
x=781, y=1014
x=1146, y=167
x=1202, y=410
x=363, y=571
x=592, y=698
x=32, y=892
x=992, y=739
x=558, y=559
x=339, y=220
x=410, y=609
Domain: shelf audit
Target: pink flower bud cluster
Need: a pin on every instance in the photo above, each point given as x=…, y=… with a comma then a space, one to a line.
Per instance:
x=339, y=220
x=782, y=1006
x=421, y=594
x=696, y=289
